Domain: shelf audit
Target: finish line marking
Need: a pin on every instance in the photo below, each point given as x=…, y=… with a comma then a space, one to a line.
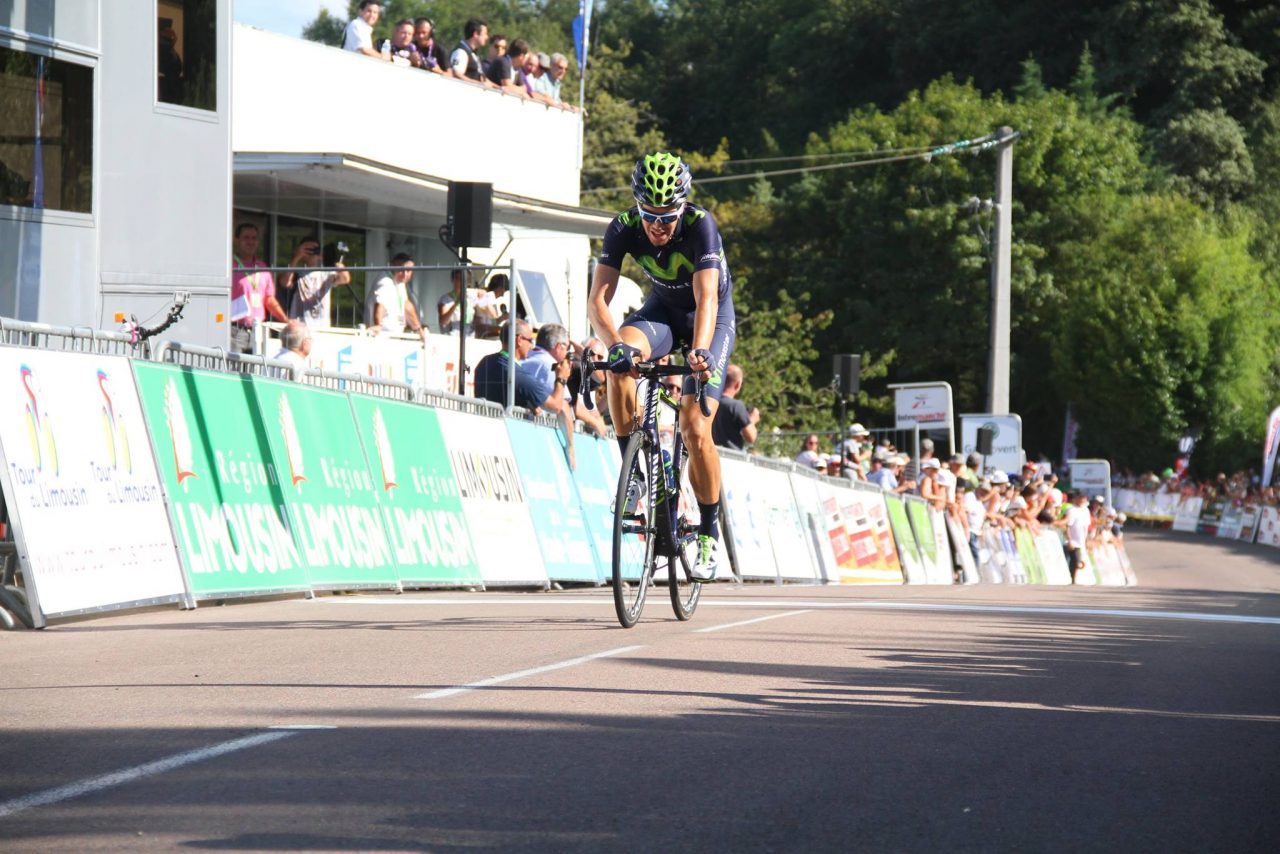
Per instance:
x=521, y=674
x=127, y=775
x=749, y=622
x=819, y=604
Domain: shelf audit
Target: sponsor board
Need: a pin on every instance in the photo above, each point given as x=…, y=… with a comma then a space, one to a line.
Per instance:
x=493, y=499
x=417, y=495
x=908, y=550
x=596, y=479
x=432, y=365
x=81, y=484
x=567, y=552
x=749, y=519
x=327, y=485
x=225, y=494
x=1006, y=443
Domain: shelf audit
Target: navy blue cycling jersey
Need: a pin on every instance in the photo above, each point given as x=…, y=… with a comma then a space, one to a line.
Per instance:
x=696, y=245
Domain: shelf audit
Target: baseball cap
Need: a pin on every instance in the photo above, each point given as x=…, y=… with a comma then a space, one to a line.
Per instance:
x=544, y=60
x=926, y=444
x=998, y=477
x=956, y=459
x=930, y=464
x=1099, y=498
x=858, y=430
x=899, y=460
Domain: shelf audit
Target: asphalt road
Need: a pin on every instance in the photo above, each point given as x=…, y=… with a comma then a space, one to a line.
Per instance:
x=984, y=718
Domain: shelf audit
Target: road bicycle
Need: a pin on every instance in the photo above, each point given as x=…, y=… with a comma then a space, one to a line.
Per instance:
x=650, y=520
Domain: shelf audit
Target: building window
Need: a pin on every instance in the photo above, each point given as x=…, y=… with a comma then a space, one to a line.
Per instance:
x=46, y=138
x=187, y=52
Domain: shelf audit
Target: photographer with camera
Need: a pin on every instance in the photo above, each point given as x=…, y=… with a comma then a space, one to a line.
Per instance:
x=307, y=296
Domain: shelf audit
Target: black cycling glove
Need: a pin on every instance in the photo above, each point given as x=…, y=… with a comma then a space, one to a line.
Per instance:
x=622, y=357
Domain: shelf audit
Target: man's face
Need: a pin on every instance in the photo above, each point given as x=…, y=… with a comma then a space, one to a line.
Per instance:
x=559, y=69
x=482, y=36
x=498, y=47
x=403, y=35
x=371, y=13
x=660, y=224
x=422, y=34
x=247, y=244
x=310, y=254
x=530, y=63
x=524, y=342
x=405, y=273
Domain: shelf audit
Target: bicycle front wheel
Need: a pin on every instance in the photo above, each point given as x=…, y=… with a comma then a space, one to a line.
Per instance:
x=634, y=533
x=684, y=590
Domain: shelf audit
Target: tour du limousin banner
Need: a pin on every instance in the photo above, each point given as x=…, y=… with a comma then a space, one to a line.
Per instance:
x=494, y=500
x=417, y=494
x=553, y=502
x=327, y=485
x=80, y=484
x=226, y=496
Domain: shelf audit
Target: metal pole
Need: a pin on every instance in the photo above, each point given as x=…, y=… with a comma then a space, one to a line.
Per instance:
x=998, y=364
x=512, y=332
x=462, y=328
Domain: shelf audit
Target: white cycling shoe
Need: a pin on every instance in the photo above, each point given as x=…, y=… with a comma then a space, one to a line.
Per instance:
x=704, y=567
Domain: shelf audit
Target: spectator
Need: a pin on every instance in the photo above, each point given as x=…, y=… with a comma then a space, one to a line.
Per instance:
x=809, y=454
x=536, y=77
x=490, y=311
x=969, y=471
x=930, y=489
x=734, y=425
x=525, y=76
x=308, y=295
x=389, y=307
x=889, y=474
x=253, y=289
x=447, y=308
x=359, y=33
x=975, y=513
x=504, y=70
x=431, y=55
x=491, y=371
x=820, y=464
x=595, y=350
x=464, y=61
x=497, y=52
x=553, y=77
x=547, y=368
x=402, y=49
x=295, y=341
x=1076, y=523
x=914, y=471
x=857, y=449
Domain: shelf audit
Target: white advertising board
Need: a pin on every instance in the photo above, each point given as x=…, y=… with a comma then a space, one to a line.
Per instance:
x=494, y=499
x=1269, y=527
x=81, y=485
x=405, y=359
x=928, y=405
x=749, y=515
x=1092, y=477
x=1006, y=442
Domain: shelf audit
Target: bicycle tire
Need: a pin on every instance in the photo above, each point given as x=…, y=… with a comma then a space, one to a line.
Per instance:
x=684, y=591
x=634, y=536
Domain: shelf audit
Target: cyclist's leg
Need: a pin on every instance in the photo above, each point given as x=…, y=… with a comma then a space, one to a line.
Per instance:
x=704, y=462
x=648, y=330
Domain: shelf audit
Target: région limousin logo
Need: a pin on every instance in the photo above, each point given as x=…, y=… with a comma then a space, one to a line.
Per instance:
x=383, y=443
x=117, y=438
x=179, y=434
x=39, y=428
x=292, y=444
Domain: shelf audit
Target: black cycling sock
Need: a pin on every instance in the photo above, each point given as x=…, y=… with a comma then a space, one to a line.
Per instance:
x=709, y=523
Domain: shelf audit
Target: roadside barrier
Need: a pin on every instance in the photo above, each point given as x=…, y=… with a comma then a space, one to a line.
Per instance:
x=1192, y=514
x=184, y=484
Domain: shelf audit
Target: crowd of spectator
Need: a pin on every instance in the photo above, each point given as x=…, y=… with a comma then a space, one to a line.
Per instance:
x=1243, y=488
x=510, y=66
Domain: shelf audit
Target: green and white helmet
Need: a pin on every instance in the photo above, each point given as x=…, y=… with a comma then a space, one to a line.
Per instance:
x=661, y=179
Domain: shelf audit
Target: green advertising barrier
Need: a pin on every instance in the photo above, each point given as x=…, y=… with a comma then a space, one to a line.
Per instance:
x=1030, y=555
x=908, y=551
x=418, y=495
x=557, y=514
x=918, y=513
x=224, y=491
x=327, y=485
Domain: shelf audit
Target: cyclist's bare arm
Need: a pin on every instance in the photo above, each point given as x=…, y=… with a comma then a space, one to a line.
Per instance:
x=603, y=286
x=706, y=293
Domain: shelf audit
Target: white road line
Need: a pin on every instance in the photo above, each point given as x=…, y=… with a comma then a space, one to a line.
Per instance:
x=520, y=674
x=126, y=775
x=829, y=604
x=749, y=622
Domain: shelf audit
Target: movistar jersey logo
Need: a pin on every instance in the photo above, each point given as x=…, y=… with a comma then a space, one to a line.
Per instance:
x=717, y=376
x=671, y=271
x=629, y=218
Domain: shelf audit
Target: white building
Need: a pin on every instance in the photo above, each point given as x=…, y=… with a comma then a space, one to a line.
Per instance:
x=121, y=181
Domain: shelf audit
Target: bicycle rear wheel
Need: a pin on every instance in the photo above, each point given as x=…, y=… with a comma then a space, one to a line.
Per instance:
x=680, y=584
x=634, y=533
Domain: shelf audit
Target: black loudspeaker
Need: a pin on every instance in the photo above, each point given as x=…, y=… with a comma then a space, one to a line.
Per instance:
x=985, y=437
x=470, y=214
x=847, y=370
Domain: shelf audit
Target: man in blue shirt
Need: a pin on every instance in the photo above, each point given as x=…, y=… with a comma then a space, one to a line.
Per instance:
x=678, y=246
x=491, y=371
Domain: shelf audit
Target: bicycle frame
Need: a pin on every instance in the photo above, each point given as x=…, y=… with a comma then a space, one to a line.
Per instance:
x=668, y=510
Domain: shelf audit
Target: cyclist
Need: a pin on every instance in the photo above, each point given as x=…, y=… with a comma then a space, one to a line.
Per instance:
x=678, y=245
